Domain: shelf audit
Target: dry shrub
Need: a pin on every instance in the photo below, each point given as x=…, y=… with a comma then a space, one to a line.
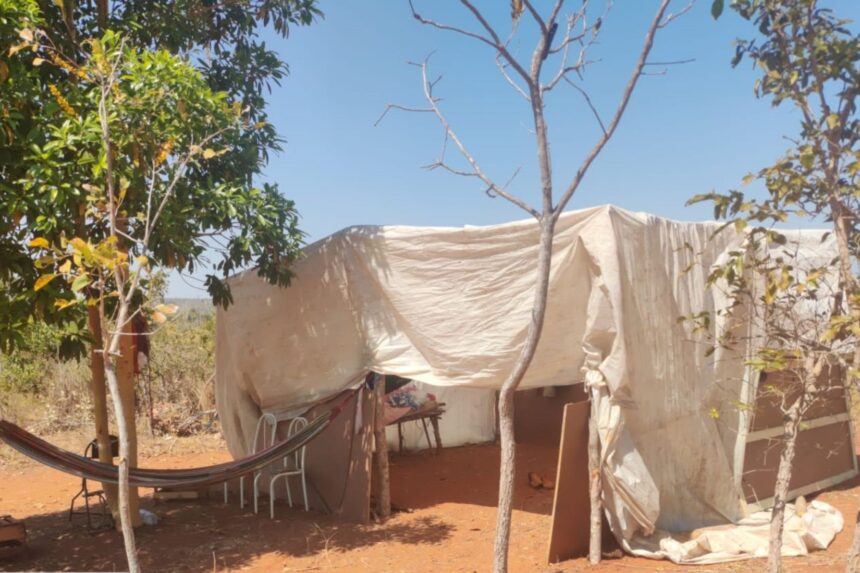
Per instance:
x=45, y=394
x=176, y=389
x=38, y=389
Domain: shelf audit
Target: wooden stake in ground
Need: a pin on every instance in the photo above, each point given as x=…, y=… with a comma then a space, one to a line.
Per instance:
x=554, y=41
x=383, y=485
x=125, y=378
x=100, y=412
x=595, y=545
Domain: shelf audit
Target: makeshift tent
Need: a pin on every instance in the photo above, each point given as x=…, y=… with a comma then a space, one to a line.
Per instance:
x=449, y=307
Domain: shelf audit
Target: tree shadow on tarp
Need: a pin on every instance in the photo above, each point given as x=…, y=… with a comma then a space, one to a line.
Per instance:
x=193, y=536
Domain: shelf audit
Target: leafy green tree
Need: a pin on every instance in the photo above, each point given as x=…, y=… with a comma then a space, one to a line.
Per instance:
x=222, y=41
x=54, y=180
x=808, y=59
x=144, y=123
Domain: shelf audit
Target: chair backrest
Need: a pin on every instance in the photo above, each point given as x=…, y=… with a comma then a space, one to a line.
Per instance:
x=297, y=424
x=264, y=435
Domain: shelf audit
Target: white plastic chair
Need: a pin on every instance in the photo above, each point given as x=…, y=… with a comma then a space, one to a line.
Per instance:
x=294, y=464
x=264, y=437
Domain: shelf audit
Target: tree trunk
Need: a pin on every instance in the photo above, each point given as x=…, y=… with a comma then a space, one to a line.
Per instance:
x=780, y=493
x=849, y=287
x=854, y=555
x=595, y=545
x=100, y=412
x=125, y=379
x=102, y=8
x=383, y=485
x=125, y=517
x=507, y=467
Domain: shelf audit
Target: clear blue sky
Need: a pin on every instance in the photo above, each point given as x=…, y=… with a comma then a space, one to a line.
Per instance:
x=697, y=128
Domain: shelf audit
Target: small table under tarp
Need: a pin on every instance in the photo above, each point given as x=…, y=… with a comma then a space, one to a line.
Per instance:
x=432, y=414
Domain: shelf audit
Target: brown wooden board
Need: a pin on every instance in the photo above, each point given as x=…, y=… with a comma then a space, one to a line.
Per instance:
x=337, y=464
x=822, y=453
x=537, y=418
x=12, y=529
x=172, y=495
x=568, y=536
x=772, y=385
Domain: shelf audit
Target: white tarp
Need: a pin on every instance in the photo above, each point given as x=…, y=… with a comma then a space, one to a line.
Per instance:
x=450, y=307
x=750, y=537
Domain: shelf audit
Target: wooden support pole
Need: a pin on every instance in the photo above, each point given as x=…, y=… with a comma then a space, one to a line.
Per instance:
x=595, y=542
x=100, y=408
x=125, y=377
x=383, y=486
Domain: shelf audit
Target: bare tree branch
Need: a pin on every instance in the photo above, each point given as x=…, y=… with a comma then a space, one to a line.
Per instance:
x=619, y=112
x=671, y=63
x=391, y=106
x=510, y=80
x=671, y=16
x=499, y=46
x=439, y=25
x=476, y=168
x=590, y=105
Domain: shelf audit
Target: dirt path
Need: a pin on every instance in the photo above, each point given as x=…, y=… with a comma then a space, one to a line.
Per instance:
x=449, y=528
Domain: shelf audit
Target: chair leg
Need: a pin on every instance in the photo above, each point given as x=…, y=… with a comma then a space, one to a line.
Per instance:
x=242, y=492
x=225, y=493
x=289, y=493
x=305, y=490
x=87, y=506
x=272, y=498
x=257, y=477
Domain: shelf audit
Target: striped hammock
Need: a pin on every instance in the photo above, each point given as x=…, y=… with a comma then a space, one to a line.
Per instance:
x=71, y=463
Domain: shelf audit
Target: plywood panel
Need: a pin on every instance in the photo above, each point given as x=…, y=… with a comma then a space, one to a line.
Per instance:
x=570, y=510
x=822, y=453
x=537, y=418
x=338, y=463
x=824, y=447
x=772, y=385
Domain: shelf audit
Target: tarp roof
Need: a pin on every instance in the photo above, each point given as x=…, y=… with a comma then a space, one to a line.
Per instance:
x=450, y=306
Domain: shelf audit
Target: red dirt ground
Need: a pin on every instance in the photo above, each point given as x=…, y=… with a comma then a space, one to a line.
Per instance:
x=450, y=528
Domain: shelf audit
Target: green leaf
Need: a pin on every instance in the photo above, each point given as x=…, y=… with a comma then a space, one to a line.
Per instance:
x=717, y=9
x=807, y=157
x=80, y=282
